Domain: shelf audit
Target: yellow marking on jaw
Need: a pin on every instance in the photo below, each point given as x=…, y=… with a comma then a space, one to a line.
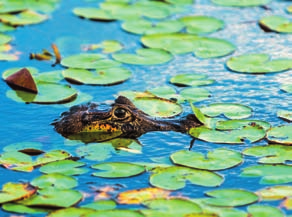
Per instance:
x=101, y=127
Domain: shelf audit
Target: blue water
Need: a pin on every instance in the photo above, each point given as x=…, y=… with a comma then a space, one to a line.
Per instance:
x=31, y=122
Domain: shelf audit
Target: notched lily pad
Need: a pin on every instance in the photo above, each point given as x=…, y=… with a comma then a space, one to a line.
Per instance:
x=190, y=79
x=108, y=76
x=219, y=159
x=271, y=174
x=278, y=192
x=26, y=17
x=117, y=170
x=280, y=134
x=175, y=177
x=65, y=167
x=258, y=64
x=276, y=24
x=144, y=56
x=30, y=148
x=54, y=180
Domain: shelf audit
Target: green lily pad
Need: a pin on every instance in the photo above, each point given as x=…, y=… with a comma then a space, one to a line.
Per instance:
x=207, y=121
x=202, y=24
x=238, y=124
x=117, y=170
x=71, y=212
x=276, y=24
x=230, y=197
x=4, y=38
x=107, y=46
x=167, y=92
x=285, y=115
x=170, y=207
x=271, y=174
x=101, y=205
x=115, y=213
x=289, y=9
x=280, y=134
x=264, y=211
x=89, y=61
x=258, y=64
x=108, y=76
x=270, y=154
x=144, y=56
x=219, y=159
x=6, y=28
x=8, y=57
x=190, y=80
x=287, y=88
x=33, y=71
x=195, y=94
x=27, y=17
x=19, y=208
x=237, y=136
x=52, y=77
x=94, y=13
x=275, y=192
x=54, y=198
x=241, y=3
x=15, y=191
x=54, y=180
x=48, y=93
x=30, y=148
x=65, y=167
x=175, y=177
x=143, y=27
x=181, y=43
x=229, y=110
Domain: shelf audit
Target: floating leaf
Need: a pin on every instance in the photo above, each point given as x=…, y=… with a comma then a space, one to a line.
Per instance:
x=190, y=79
x=195, y=94
x=53, y=198
x=108, y=76
x=218, y=159
x=94, y=13
x=238, y=124
x=289, y=9
x=258, y=64
x=101, y=205
x=19, y=208
x=71, y=212
x=141, y=195
x=207, y=121
x=117, y=170
x=115, y=213
x=107, y=46
x=275, y=192
x=54, y=180
x=287, y=88
x=15, y=191
x=229, y=110
x=280, y=134
x=174, y=177
x=285, y=115
x=144, y=56
x=175, y=207
x=143, y=27
x=237, y=136
x=65, y=167
x=271, y=154
x=287, y=203
x=89, y=61
x=241, y=3
x=4, y=38
x=27, y=17
x=271, y=174
x=264, y=211
x=31, y=148
x=202, y=24
x=230, y=197
x=167, y=92
x=276, y=24
x=53, y=76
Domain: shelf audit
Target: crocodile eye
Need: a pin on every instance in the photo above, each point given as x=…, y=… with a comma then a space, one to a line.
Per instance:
x=120, y=113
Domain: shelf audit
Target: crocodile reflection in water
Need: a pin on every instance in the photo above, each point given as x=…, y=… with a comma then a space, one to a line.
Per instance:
x=93, y=122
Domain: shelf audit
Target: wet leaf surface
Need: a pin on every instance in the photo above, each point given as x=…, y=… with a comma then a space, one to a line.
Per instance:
x=54, y=180
x=276, y=24
x=15, y=191
x=65, y=167
x=285, y=115
x=264, y=211
x=191, y=79
x=280, y=134
x=277, y=192
x=19, y=208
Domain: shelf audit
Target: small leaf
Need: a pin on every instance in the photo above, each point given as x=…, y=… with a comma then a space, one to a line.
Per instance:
x=285, y=115
x=280, y=134
x=54, y=180
x=65, y=167
x=276, y=24
x=275, y=192
x=190, y=80
x=15, y=191
x=19, y=208
x=264, y=211
x=26, y=17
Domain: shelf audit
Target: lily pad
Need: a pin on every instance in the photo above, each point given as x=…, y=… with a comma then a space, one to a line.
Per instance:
x=285, y=115
x=280, y=134
x=115, y=213
x=30, y=148
x=237, y=136
x=108, y=76
x=4, y=38
x=19, y=208
x=89, y=61
x=275, y=192
x=238, y=124
x=101, y=205
x=94, y=13
x=65, y=167
x=71, y=212
x=181, y=43
x=54, y=180
x=271, y=154
x=15, y=191
x=219, y=159
x=144, y=56
x=276, y=24
x=287, y=88
x=202, y=24
x=175, y=177
x=230, y=197
x=241, y=3
x=271, y=174
x=190, y=79
x=167, y=92
x=117, y=170
x=195, y=94
x=53, y=198
x=107, y=46
x=264, y=211
x=258, y=64
x=141, y=195
x=143, y=27
x=229, y=110
x=27, y=17
x=175, y=207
